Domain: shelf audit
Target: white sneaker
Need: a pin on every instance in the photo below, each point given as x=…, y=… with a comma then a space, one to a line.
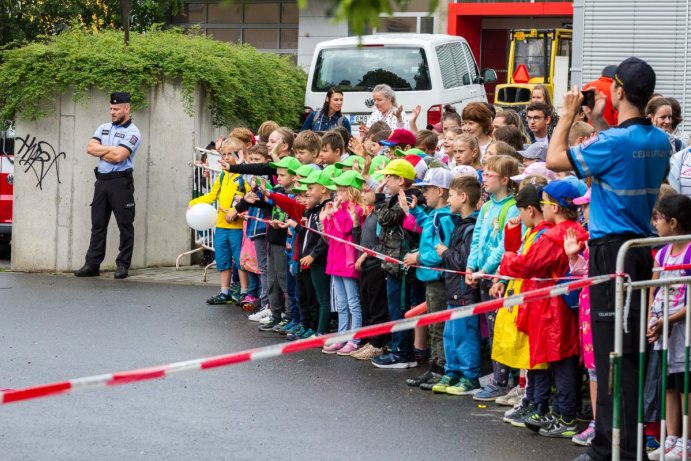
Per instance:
x=514, y=408
x=514, y=397
x=670, y=444
x=677, y=453
x=257, y=316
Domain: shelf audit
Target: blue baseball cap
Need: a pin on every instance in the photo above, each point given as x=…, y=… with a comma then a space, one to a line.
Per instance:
x=563, y=192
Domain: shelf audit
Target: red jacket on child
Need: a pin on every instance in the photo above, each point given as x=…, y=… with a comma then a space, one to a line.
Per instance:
x=552, y=327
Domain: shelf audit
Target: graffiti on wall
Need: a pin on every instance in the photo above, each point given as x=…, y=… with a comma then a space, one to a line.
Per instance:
x=38, y=156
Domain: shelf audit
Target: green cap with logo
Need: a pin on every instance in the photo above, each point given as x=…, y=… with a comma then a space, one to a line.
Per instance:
x=413, y=151
x=289, y=163
x=350, y=178
x=304, y=170
x=350, y=161
x=322, y=177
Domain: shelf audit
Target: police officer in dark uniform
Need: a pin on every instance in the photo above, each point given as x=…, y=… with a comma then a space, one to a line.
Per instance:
x=115, y=145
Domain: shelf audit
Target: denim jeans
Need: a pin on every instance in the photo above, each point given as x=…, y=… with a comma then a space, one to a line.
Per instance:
x=347, y=296
x=261, y=250
x=399, y=303
x=252, y=284
x=462, y=347
x=292, y=289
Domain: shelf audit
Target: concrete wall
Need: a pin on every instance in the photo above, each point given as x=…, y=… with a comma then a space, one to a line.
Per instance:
x=54, y=182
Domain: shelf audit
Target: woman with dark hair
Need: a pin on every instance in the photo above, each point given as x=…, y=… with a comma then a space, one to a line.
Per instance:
x=511, y=135
x=477, y=120
x=450, y=118
x=329, y=116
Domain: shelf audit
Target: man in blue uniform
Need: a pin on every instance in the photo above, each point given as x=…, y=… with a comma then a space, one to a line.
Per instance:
x=115, y=145
x=627, y=164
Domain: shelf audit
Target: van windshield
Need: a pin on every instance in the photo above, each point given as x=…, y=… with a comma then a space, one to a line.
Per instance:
x=361, y=69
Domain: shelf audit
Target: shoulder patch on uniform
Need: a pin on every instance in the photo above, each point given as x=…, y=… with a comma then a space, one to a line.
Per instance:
x=104, y=132
x=119, y=135
x=589, y=141
x=133, y=140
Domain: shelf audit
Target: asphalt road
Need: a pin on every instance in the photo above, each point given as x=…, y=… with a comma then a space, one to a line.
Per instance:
x=300, y=407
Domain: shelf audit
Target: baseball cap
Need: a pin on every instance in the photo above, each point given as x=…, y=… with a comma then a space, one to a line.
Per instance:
x=529, y=195
x=304, y=170
x=289, y=163
x=582, y=200
x=636, y=76
x=322, y=177
x=436, y=127
x=563, y=192
x=464, y=170
x=350, y=178
x=299, y=188
x=350, y=161
x=400, y=167
x=400, y=136
x=437, y=177
x=535, y=151
x=378, y=162
x=413, y=151
x=580, y=185
x=419, y=165
x=609, y=71
x=537, y=168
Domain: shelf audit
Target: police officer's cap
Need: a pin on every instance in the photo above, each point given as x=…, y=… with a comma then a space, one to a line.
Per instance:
x=119, y=98
x=636, y=77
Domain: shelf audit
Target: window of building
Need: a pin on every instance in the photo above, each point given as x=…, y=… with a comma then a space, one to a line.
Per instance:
x=267, y=25
x=409, y=22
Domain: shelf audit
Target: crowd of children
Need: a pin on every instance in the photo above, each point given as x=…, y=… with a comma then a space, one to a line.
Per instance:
x=471, y=195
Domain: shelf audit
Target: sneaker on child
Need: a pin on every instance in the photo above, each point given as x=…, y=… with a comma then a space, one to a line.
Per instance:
x=368, y=352
x=444, y=383
x=464, y=386
x=586, y=437
x=333, y=348
x=423, y=378
x=393, y=361
x=491, y=392
x=560, y=428
x=514, y=396
x=220, y=298
x=257, y=316
x=348, y=349
x=670, y=443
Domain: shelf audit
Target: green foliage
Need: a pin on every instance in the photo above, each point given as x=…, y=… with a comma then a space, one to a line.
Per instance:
x=27, y=20
x=242, y=85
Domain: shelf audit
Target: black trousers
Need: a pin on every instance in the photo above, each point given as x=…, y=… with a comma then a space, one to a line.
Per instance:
x=538, y=389
x=567, y=380
x=374, y=301
x=114, y=196
x=639, y=265
x=309, y=308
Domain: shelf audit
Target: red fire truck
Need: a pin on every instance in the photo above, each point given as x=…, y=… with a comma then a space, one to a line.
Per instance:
x=6, y=181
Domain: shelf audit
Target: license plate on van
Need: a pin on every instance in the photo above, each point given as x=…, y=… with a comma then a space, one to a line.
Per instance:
x=355, y=119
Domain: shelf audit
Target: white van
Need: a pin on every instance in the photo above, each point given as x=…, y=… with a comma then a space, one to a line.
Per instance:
x=427, y=69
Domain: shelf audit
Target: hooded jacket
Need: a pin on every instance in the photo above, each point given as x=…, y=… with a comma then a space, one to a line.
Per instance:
x=455, y=258
x=488, y=237
x=552, y=327
x=341, y=257
x=437, y=226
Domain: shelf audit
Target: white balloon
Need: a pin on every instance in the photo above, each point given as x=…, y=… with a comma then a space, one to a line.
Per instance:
x=201, y=217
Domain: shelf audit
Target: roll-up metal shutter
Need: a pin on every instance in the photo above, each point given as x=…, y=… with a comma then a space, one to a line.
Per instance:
x=657, y=31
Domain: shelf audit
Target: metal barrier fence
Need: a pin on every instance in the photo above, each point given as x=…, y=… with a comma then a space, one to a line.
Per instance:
x=205, y=170
x=624, y=289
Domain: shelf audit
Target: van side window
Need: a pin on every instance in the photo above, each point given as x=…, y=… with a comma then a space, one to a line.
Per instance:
x=462, y=67
x=472, y=65
x=447, y=66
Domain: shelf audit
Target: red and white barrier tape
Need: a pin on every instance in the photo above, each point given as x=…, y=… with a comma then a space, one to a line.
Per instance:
x=144, y=374
x=389, y=259
x=673, y=267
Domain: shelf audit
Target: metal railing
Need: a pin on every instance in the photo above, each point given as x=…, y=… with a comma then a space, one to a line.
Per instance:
x=204, y=175
x=623, y=290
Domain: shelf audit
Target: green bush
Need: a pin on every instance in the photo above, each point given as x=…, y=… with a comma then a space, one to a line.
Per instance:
x=244, y=86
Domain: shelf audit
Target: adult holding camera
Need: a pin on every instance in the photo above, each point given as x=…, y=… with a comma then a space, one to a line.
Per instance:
x=115, y=145
x=627, y=164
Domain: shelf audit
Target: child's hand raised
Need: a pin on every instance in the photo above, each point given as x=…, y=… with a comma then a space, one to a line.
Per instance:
x=571, y=244
x=513, y=223
x=262, y=187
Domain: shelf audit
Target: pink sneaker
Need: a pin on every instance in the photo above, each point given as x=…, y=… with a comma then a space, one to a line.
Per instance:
x=332, y=349
x=348, y=349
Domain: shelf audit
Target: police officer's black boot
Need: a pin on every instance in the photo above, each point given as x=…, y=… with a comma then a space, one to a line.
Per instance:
x=121, y=272
x=87, y=271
